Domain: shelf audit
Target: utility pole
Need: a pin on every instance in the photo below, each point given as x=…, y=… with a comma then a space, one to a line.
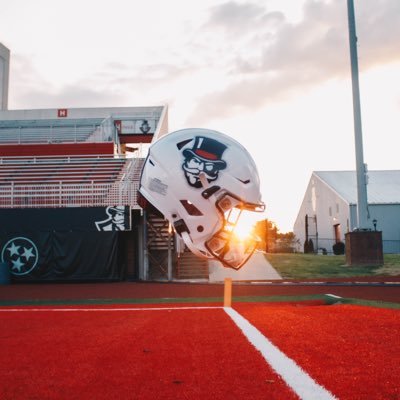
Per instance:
x=362, y=201
x=363, y=246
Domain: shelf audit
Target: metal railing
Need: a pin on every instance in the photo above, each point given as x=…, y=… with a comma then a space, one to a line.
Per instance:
x=67, y=159
x=63, y=194
x=46, y=134
x=72, y=192
x=50, y=132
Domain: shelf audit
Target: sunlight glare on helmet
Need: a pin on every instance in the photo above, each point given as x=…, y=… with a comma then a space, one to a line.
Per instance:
x=241, y=223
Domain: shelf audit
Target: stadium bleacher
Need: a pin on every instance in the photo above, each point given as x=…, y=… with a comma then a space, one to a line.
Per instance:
x=67, y=172
x=42, y=181
x=79, y=169
x=63, y=163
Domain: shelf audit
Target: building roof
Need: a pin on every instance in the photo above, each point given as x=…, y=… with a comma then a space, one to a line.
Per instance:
x=383, y=187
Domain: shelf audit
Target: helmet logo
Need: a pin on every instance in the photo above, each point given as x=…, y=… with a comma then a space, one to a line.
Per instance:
x=204, y=157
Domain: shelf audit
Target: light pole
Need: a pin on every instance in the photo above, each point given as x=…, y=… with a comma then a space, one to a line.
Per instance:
x=362, y=245
x=362, y=201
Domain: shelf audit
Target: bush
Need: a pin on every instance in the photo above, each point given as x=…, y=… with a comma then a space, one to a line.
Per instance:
x=338, y=248
x=309, y=246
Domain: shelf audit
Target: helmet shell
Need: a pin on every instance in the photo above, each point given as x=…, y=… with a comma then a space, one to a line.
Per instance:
x=185, y=173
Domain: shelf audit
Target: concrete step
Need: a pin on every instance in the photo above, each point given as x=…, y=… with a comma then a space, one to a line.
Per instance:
x=189, y=266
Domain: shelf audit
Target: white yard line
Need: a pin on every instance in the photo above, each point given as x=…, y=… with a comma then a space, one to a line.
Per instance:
x=295, y=377
x=105, y=309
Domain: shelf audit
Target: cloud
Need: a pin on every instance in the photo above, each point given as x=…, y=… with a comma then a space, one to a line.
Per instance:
x=378, y=31
x=240, y=56
x=113, y=83
x=68, y=96
x=245, y=95
x=31, y=89
x=298, y=56
x=240, y=18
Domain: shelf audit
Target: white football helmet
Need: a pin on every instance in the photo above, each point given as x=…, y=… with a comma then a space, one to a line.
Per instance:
x=202, y=181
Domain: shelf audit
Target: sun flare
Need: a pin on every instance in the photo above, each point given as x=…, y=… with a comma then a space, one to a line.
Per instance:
x=245, y=224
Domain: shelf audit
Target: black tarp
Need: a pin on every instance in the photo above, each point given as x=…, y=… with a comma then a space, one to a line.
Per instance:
x=60, y=244
x=66, y=219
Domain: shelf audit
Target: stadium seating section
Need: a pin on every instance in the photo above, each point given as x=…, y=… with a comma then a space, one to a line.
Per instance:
x=52, y=163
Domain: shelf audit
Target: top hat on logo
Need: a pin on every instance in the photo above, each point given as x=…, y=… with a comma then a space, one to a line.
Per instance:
x=116, y=209
x=207, y=150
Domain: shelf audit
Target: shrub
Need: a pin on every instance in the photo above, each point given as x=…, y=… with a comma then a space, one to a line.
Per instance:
x=338, y=248
x=309, y=246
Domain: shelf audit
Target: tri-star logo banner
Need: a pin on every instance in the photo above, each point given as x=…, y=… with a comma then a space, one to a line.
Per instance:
x=62, y=244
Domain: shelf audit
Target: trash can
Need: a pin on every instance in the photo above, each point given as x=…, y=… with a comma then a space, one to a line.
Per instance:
x=4, y=273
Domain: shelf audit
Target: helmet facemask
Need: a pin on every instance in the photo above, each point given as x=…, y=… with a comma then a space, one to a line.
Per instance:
x=229, y=245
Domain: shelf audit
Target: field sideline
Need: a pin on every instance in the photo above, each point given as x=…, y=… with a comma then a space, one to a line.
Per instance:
x=385, y=289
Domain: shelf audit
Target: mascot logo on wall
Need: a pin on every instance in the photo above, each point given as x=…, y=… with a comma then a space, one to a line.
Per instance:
x=21, y=255
x=115, y=220
x=204, y=157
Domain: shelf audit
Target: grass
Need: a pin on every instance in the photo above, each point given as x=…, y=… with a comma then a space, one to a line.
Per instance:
x=306, y=266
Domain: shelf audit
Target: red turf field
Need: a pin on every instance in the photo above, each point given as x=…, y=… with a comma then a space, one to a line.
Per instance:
x=195, y=353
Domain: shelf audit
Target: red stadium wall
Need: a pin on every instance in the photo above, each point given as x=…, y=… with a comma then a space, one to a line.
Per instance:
x=60, y=149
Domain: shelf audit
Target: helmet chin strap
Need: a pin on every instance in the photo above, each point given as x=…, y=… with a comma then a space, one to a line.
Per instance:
x=203, y=180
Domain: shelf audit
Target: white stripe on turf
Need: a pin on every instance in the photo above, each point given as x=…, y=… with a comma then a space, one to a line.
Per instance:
x=107, y=309
x=295, y=377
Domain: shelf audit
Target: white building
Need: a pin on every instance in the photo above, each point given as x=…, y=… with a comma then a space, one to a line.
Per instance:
x=329, y=208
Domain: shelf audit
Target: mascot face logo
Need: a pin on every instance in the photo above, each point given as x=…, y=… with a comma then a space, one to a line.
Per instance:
x=21, y=255
x=204, y=157
x=145, y=127
x=115, y=220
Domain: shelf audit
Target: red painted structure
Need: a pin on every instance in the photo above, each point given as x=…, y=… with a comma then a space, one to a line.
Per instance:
x=59, y=149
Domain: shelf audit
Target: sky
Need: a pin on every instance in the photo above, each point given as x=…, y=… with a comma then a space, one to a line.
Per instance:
x=273, y=74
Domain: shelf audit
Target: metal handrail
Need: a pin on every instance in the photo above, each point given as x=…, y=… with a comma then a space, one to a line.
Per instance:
x=62, y=159
x=63, y=194
x=49, y=134
x=86, y=192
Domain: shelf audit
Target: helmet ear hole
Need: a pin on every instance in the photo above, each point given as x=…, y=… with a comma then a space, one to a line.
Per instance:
x=200, y=228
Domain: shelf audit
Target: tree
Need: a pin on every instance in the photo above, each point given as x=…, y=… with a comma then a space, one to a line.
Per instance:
x=286, y=243
x=272, y=241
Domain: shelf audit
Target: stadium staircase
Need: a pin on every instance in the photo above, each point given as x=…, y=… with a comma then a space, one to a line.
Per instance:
x=186, y=266
x=126, y=184
x=190, y=267
x=159, y=245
